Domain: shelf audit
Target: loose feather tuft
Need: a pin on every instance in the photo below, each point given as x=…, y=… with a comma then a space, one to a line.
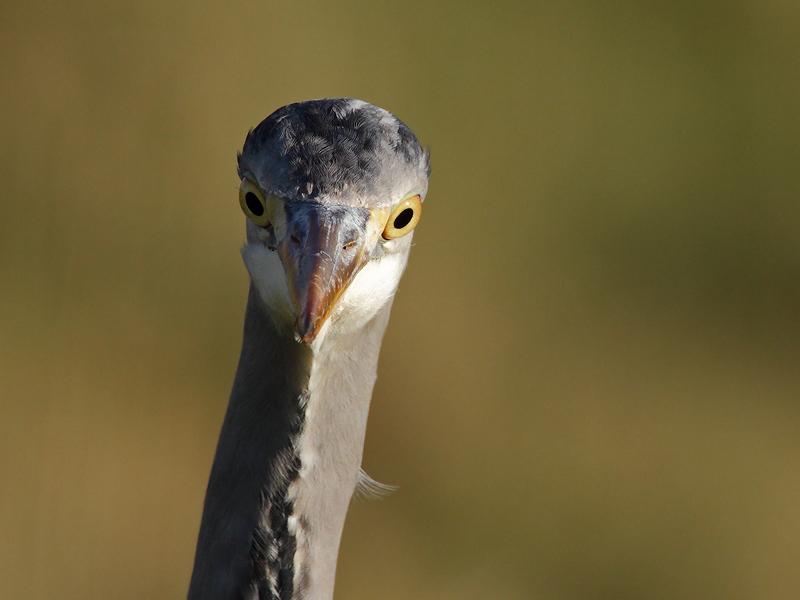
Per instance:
x=369, y=489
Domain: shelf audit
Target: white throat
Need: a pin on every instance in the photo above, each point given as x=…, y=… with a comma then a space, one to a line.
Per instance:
x=372, y=289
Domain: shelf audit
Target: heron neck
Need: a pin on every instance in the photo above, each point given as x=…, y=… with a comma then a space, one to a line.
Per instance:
x=286, y=464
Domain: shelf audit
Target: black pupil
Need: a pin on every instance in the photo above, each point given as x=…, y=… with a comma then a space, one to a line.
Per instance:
x=404, y=218
x=254, y=204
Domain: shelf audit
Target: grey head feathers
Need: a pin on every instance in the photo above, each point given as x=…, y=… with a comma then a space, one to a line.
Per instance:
x=342, y=151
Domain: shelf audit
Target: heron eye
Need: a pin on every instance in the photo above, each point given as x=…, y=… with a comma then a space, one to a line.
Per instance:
x=404, y=218
x=253, y=203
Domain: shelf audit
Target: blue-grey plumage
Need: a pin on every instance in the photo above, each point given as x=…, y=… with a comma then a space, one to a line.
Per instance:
x=342, y=151
x=332, y=190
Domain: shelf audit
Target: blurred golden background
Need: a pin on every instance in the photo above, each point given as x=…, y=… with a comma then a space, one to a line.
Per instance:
x=589, y=388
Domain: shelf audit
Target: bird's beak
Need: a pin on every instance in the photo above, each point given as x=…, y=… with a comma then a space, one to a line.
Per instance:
x=322, y=250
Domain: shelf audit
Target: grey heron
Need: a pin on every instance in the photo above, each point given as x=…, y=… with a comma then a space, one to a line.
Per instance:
x=332, y=191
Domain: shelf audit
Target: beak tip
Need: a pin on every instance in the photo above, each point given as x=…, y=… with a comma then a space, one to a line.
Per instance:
x=305, y=331
x=304, y=339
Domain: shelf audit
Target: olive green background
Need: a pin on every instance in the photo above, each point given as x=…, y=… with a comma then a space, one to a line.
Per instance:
x=589, y=388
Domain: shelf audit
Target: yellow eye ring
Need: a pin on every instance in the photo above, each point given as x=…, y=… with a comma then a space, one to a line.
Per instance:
x=253, y=203
x=405, y=217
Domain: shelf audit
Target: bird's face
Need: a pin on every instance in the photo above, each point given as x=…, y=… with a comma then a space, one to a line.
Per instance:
x=319, y=264
x=332, y=191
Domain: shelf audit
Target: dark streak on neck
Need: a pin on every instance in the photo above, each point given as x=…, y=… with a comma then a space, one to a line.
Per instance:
x=273, y=547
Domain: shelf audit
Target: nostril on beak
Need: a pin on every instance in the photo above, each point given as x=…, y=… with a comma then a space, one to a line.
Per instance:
x=295, y=239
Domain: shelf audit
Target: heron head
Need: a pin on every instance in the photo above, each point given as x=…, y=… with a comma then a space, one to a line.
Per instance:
x=332, y=191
